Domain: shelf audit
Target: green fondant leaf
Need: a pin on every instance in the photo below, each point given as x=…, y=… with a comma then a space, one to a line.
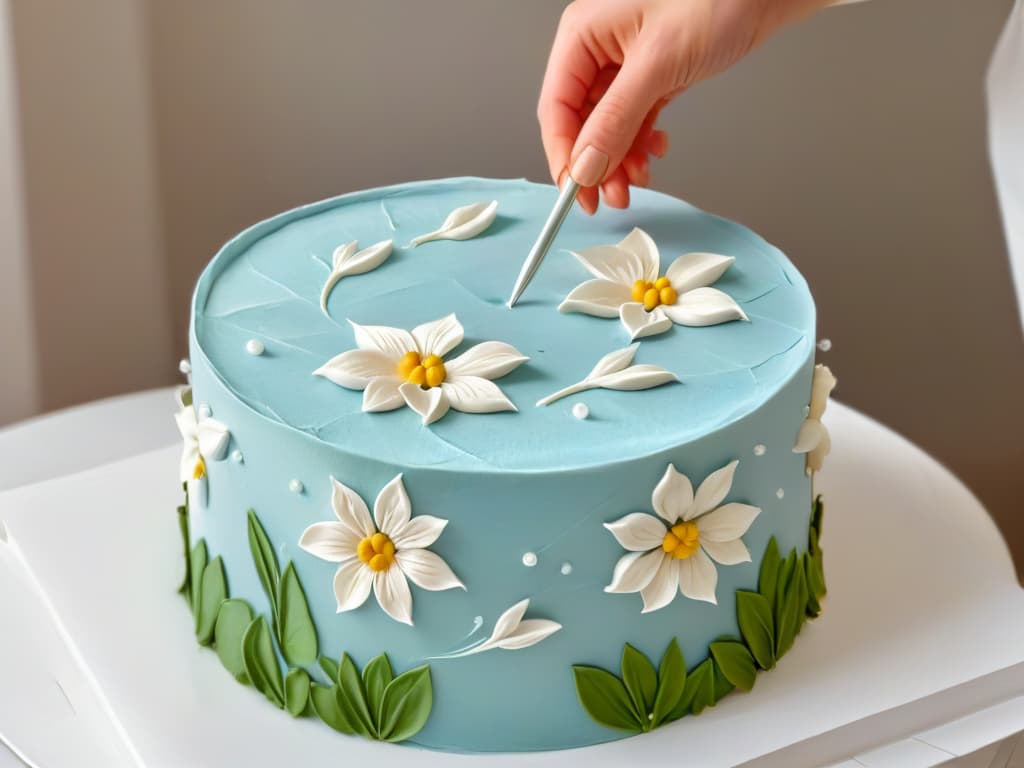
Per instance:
x=377, y=675
x=261, y=661
x=671, y=681
x=352, y=698
x=699, y=691
x=735, y=663
x=721, y=685
x=330, y=668
x=213, y=591
x=816, y=577
x=817, y=514
x=769, y=575
x=801, y=592
x=641, y=683
x=791, y=608
x=266, y=562
x=197, y=564
x=233, y=619
x=605, y=699
x=406, y=703
x=297, y=638
x=754, y=613
x=296, y=691
x=186, y=580
x=325, y=704
x=781, y=585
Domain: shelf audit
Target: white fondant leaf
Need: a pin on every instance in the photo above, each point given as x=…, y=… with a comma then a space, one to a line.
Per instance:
x=392, y=509
x=355, y=368
x=529, y=632
x=489, y=360
x=343, y=254
x=637, y=377
x=431, y=404
x=438, y=337
x=726, y=523
x=213, y=439
x=614, y=361
x=509, y=620
x=810, y=436
x=600, y=298
x=662, y=588
x=641, y=323
x=393, y=595
x=713, y=490
x=727, y=552
x=347, y=261
x=637, y=531
x=352, y=584
x=696, y=270
x=704, y=306
x=673, y=495
x=473, y=394
x=463, y=223
x=330, y=541
x=381, y=394
x=698, y=577
x=392, y=342
x=427, y=570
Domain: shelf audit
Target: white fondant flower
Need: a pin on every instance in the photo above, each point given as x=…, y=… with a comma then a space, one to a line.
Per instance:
x=511, y=632
x=676, y=551
x=463, y=223
x=348, y=261
x=203, y=438
x=394, y=367
x=627, y=286
x=379, y=553
x=814, y=439
x=613, y=371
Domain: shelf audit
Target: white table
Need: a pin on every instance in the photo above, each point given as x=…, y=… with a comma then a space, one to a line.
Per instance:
x=978, y=711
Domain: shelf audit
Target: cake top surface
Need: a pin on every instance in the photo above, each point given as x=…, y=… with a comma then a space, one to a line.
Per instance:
x=266, y=285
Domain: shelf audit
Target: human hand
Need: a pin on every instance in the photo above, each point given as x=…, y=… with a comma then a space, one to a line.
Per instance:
x=614, y=65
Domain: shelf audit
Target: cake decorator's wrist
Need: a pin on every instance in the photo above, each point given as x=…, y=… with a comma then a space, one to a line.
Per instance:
x=615, y=64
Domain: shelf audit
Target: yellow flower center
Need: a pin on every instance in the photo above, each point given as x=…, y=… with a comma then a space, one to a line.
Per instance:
x=682, y=541
x=377, y=551
x=652, y=294
x=200, y=469
x=425, y=373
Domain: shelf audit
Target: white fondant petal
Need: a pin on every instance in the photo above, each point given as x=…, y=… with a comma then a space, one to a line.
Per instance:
x=634, y=571
x=431, y=404
x=330, y=541
x=427, y=570
x=637, y=377
x=343, y=254
x=673, y=496
x=189, y=459
x=713, y=490
x=812, y=432
x=421, y=531
x=489, y=360
x=640, y=323
x=600, y=298
x=392, y=342
x=727, y=523
x=509, y=620
x=352, y=584
x=213, y=439
x=698, y=577
x=187, y=422
x=727, y=552
x=529, y=632
x=355, y=368
x=472, y=394
x=816, y=457
x=614, y=361
x=822, y=384
x=392, y=509
x=641, y=245
x=463, y=223
x=612, y=263
x=697, y=270
x=662, y=588
x=638, y=532
x=393, y=595
x=381, y=394
x=703, y=306
x=351, y=510
x=438, y=337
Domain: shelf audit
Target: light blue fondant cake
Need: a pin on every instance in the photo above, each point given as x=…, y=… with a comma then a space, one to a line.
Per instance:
x=366, y=456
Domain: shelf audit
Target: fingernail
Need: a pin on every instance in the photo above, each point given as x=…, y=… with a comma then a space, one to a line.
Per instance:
x=562, y=177
x=589, y=167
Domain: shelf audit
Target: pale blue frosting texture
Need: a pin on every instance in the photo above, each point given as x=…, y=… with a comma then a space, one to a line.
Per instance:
x=538, y=480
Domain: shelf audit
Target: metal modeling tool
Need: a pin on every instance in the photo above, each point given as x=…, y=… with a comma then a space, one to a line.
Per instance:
x=547, y=236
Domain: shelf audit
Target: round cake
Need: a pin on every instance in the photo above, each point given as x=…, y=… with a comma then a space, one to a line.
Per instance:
x=425, y=517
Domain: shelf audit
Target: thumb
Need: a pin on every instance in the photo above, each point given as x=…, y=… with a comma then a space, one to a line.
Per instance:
x=613, y=125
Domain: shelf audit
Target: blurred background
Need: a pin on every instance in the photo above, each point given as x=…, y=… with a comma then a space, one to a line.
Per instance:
x=138, y=135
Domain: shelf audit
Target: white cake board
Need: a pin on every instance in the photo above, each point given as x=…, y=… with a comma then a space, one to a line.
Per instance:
x=924, y=623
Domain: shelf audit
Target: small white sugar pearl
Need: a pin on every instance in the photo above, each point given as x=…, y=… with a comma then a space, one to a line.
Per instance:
x=580, y=411
x=825, y=345
x=296, y=486
x=185, y=366
x=566, y=569
x=530, y=559
x=780, y=493
x=760, y=450
x=204, y=410
x=236, y=456
x=255, y=347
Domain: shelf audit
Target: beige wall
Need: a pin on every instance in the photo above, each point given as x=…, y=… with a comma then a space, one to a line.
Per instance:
x=856, y=142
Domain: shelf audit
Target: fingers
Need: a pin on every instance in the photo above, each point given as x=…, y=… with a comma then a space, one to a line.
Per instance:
x=616, y=189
